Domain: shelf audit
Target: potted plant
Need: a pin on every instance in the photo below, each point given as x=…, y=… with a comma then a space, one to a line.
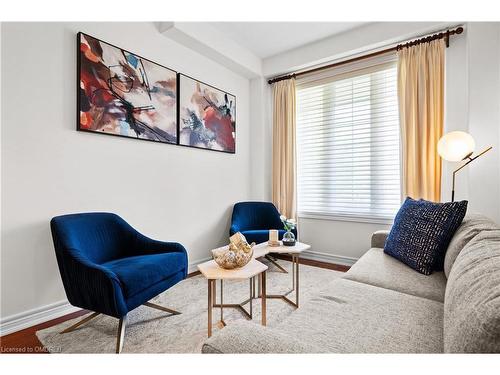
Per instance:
x=289, y=225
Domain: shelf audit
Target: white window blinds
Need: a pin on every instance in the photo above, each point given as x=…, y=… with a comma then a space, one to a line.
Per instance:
x=348, y=143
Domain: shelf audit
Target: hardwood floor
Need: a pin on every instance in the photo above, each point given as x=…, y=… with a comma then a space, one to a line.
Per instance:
x=25, y=341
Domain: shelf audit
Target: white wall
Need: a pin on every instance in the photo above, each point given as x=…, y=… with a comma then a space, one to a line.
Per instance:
x=48, y=168
x=457, y=110
x=261, y=135
x=472, y=104
x=340, y=242
x=483, y=44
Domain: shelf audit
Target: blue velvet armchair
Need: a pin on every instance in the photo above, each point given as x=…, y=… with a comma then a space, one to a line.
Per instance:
x=254, y=219
x=110, y=268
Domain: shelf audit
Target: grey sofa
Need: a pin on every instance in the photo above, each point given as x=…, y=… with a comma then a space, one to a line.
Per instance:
x=382, y=306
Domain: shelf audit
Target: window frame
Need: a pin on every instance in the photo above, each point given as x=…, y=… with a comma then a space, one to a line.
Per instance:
x=337, y=74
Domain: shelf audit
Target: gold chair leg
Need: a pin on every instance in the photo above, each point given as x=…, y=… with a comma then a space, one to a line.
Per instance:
x=121, y=334
x=83, y=321
x=273, y=261
x=158, y=307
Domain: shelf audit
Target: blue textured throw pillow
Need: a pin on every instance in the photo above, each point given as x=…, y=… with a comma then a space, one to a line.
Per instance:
x=422, y=231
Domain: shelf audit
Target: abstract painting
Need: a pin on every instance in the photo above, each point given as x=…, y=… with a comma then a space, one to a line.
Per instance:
x=207, y=116
x=121, y=93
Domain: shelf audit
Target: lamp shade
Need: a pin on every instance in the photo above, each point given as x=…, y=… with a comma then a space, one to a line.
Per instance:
x=456, y=146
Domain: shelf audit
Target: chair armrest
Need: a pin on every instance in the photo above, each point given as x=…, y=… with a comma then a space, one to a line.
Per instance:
x=145, y=245
x=378, y=238
x=234, y=229
x=247, y=337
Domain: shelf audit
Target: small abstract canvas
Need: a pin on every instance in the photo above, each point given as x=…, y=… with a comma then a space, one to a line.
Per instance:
x=207, y=116
x=123, y=94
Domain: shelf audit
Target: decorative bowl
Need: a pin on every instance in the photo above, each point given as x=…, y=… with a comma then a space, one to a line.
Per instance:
x=229, y=259
x=236, y=255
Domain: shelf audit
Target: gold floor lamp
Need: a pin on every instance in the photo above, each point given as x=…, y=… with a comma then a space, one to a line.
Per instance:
x=458, y=146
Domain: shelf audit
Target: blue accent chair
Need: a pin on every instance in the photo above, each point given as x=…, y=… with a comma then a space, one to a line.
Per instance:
x=110, y=268
x=254, y=219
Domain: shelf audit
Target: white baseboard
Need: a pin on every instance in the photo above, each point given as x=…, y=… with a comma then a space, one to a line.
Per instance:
x=26, y=319
x=328, y=258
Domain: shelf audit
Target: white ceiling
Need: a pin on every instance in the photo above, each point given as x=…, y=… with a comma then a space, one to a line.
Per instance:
x=265, y=39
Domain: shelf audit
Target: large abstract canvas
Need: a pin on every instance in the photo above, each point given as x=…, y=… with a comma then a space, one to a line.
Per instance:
x=123, y=94
x=207, y=116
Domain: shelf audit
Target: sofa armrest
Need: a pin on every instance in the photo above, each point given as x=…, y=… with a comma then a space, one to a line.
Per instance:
x=247, y=337
x=378, y=238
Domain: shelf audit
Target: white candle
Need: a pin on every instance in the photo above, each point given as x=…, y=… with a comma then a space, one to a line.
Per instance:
x=273, y=235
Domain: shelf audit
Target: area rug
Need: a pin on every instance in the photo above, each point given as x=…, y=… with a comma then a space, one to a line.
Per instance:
x=153, y=331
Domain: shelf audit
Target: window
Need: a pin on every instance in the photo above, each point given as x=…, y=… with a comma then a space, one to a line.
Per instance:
x=348, y=144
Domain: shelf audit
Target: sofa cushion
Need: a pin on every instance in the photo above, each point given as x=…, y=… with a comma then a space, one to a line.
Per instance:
x=379, y=269
x=248, y=337
x=472, y=300
x=471, y=226
x=422, y=231
x=352, y=317
x=138, y=273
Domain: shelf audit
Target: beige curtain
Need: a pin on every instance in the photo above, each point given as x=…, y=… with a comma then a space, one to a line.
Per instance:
x=421, y=110
x=284, y=163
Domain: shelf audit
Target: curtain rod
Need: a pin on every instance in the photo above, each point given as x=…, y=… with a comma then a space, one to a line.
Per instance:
x=441, y=35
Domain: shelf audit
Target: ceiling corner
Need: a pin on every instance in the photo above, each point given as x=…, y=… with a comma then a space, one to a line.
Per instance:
x=212, y=43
